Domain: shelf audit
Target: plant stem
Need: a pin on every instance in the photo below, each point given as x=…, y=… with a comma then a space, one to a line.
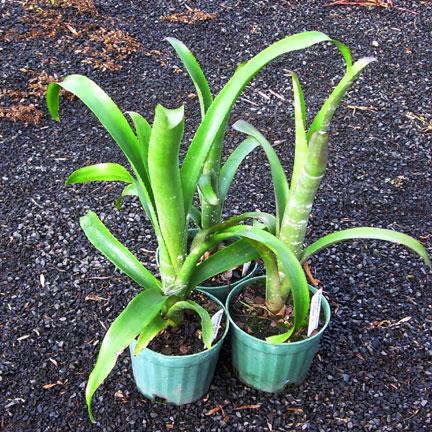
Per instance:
x=273, y=296
x=212, y=214
x=296, y=215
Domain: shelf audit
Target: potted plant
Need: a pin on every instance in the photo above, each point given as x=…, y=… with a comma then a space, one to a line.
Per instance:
x=216, y=179
x=166, y=190
x=272, y=343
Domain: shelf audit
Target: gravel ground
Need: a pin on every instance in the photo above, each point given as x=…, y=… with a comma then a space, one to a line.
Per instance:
x=58, y=295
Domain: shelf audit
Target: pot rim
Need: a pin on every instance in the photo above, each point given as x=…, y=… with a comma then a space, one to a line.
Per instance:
x=201, y=353
x=238, y=288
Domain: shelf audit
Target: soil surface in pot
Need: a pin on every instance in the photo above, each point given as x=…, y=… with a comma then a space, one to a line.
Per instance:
x=250, y=313
x=186, y=338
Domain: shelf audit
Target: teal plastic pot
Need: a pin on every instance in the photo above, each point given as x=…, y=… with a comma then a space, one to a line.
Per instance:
x=268, y=367
x=177, y=379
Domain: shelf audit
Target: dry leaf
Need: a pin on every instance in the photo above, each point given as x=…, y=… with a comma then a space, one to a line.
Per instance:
x=214, y=410
x=242, y=407
x=48, y=386
x=295, y=410
x=191, y=16
x=94, y=297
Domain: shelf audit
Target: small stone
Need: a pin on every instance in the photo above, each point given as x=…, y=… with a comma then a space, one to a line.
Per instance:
x=375, y=44
x=346, y=377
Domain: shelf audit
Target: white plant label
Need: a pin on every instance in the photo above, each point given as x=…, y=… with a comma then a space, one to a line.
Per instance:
x=245, y=268
x=315, y=310
x=216, y=322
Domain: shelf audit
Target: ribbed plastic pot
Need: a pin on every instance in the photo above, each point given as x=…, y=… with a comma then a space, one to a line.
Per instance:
x=268, y=367
x=177, y=379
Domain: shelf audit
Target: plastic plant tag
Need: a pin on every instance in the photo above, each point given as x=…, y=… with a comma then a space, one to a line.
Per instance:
x=216, y=321
x=315, y=309
x=245, y=268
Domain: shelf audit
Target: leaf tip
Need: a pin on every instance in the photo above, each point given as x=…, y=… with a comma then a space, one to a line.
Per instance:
x=88, y=396
x=370, y=59
x=238, y=125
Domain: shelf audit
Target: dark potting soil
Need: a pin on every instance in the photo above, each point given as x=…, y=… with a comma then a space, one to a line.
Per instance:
x=58, y=295
x=186, y=338
x=249, y=312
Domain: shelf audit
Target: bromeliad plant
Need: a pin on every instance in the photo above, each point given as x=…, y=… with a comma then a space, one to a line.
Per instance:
x=166, y=191
x=294, y=199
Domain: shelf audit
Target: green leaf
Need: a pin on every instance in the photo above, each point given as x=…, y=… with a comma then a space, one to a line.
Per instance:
x=229, y=257
x=301, y=142
x=163, y=155
x=195, y=72
x=207, y=189
x=130, y=190
x=367, y=233
x=101, y=238
x=149, y=332
x=232, y=164
x=104, y=109
x=114, y=122
x=323, y=119
x=143, y=132
x=280, y=338
x=100, y=172
x=345, y=51
x=223, y=103
x=203, y=242
x=195, y=215
x=290, y=266
x=280, y=182
x=265, y=218
x=206, y=324
x=138, y=314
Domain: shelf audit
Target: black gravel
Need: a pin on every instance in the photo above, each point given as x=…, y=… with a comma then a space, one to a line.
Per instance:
x=58, y=294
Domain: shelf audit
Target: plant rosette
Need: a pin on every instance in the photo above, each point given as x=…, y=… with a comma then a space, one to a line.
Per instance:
x=179, y=379
x=266, y=366
x=215, y=286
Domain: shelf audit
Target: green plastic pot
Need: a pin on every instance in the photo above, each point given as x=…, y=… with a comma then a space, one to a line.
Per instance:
x=268, y=367
x=177, y=379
